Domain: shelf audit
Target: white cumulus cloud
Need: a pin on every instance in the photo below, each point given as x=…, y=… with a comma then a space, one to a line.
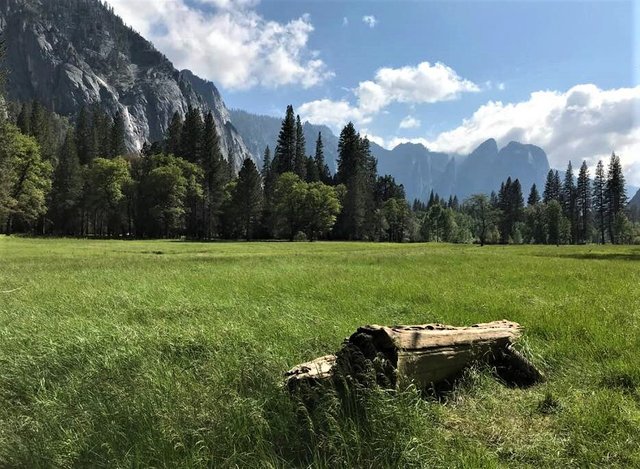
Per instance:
x=583, y=123
x=424, y=83
x=420, y=84
x=370, y=20
x=410, y=122
x=229, y=43
x=334, y=114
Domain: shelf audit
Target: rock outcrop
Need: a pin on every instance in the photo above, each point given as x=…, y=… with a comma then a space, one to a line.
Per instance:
x=73, y=53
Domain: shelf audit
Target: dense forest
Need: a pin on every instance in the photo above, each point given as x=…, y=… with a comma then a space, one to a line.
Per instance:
x=76, y=179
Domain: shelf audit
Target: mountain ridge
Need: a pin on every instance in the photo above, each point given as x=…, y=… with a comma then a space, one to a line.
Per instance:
x=419, y=169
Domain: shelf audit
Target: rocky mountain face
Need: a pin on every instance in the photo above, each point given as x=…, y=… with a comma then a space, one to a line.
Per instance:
x=635, y=201
x=413, y=165
x=422, y=171
x=73, y=53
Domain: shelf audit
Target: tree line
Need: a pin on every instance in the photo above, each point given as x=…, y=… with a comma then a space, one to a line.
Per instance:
x=78, y=180
x=58, y=178
x=570, y=210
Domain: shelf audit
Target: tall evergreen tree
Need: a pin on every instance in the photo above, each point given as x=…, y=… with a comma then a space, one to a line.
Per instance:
x=552, y=187
x=191, y=136
x=511, y=204
x=600, y=200
x=216, y=177
x=323, y=169
x=583, y=203
x=370, y=179
x=266, y=163
x=568, y=199
x=534, y=196
x=85, y=141
x=285, y=152
x=554, y=221
x=40, y=127
x=269, y=178
x=352, y=172
x=101, y=133
x=616, y=195
x=313, y=175
x=173, y=136
x=246, y=200
x=66, y=192
x=300, y=161
x=432, y=200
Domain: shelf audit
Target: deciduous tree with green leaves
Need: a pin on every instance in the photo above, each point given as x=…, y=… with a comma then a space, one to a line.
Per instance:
x=25, y=180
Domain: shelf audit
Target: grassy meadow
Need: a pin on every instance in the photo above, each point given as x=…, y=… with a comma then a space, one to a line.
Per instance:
x=170, y=354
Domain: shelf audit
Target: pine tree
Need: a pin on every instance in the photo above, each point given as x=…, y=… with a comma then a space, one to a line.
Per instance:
x=600, y=200
x=247, y=199
x=300, y=161
x=312, y=170
x=174, y=135
x=547, y=195
x=583, y=203
x=370, y=178
x=40, y=127
x=352, y=168
x=266, y=163
x=511, y=205
x=568, y=198
x=534, y=196
x=66, y=190
x=323, y=169
x=557, y=186
x=554, y=221
x=269, y=178
x=85, y=141
x=191, y=136
x=101, y=133
x=215, y=177
x=285, y=153
x=552, y=187
x=616, y=195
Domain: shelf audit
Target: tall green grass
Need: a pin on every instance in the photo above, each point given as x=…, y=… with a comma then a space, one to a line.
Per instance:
x=170, y=354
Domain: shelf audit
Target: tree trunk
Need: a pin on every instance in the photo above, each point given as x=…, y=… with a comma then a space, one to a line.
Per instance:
x=425, y=355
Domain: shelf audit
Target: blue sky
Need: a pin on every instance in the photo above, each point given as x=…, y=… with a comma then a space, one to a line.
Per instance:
x=563, y=75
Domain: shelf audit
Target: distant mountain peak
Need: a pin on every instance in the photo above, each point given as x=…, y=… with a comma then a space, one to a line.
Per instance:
x=488, y=147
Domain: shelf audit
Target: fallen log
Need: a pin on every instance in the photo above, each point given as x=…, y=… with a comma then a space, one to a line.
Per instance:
x=425, y=355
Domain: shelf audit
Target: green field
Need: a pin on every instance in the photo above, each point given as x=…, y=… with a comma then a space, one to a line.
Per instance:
x=170, y=354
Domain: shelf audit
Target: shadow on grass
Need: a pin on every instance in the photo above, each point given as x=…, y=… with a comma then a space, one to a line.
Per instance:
x=599, y=256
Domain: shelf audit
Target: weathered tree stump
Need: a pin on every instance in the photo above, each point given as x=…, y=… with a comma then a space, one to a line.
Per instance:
x=425, y=355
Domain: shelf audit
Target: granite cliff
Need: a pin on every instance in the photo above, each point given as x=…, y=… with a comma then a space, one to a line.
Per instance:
x=73, y=53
